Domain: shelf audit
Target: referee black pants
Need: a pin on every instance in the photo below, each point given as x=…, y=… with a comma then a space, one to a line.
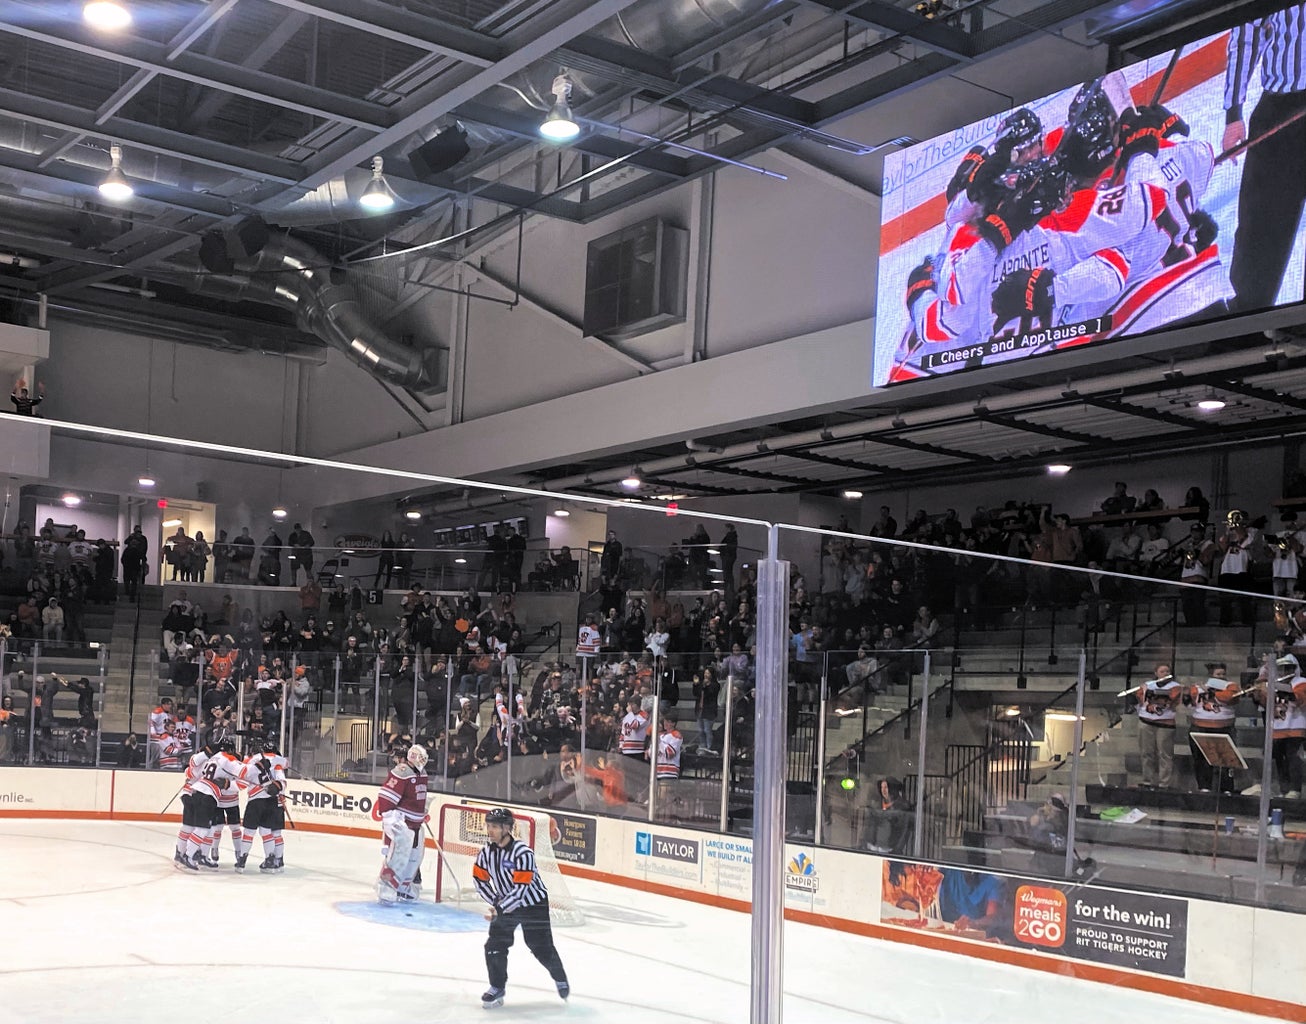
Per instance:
x=538, y=933
x=1270, y=201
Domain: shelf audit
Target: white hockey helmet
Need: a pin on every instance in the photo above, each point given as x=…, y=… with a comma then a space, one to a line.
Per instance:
x=417, y=756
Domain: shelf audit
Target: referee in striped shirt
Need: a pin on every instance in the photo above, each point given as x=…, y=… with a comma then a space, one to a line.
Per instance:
x=1273, y=188
x=507, y=879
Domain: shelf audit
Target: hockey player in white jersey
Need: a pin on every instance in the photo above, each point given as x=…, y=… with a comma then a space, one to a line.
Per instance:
x=218, y=778
x=263, y=777
x=1139, y=254
x=194, y=769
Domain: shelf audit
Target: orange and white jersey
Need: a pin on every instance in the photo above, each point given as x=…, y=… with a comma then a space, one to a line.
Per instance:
x=221, y=768
x=259, y=770
x=1213, y=703
x=670, y=745
x=1157, y=700
x=158, y=719
x=185, y=733
x=1289, y=716
x=222, y=664
x=194, y=769
x=169, y=753
x=634, y=730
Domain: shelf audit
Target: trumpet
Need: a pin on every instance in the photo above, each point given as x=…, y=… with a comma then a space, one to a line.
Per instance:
x=1143, y=686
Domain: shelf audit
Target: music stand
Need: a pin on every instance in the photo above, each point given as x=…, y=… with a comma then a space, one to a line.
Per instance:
x=1221, y=754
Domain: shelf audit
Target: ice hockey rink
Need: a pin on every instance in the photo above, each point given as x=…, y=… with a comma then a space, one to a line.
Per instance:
x=100, y=927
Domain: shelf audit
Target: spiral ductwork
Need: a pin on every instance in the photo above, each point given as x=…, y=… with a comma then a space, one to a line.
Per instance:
x=294, y=276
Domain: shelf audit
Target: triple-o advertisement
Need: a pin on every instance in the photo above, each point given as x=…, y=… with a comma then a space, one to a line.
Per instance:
x=1167, y=192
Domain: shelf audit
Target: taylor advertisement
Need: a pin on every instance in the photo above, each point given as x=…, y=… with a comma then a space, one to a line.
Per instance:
x=1104, y=926
x=1166, y=192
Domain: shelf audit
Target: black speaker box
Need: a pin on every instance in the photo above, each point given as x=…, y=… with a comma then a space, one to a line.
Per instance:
x=431, y=159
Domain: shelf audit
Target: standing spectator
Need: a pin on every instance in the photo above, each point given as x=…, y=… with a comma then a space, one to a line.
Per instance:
x=696, y=545
x=1194, y=498
x=1120, y=500
x=707, y=695
x=135, y=553
x=1196, y=555
x=199, y=557
x=177, y=554
x=301, y=553
x=1236, y=570
x=729, y=548
x=270, y=564
x=242, y=555
x=886, y=526
x=610, y=572
x=25, y=404
x=1066, y=547
x=404, y=559
x=1157, y=702
x=221, y=557
x=1285, y=556
x=492, y=563
x=516, y=559
x=386, y=565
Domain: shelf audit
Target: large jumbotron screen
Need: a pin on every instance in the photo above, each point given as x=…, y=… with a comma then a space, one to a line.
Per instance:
x=1167, y=192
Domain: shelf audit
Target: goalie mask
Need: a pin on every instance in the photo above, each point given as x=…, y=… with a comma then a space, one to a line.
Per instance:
x=417, y=757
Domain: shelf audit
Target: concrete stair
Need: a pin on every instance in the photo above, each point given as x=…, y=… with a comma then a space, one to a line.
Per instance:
x=119, y=676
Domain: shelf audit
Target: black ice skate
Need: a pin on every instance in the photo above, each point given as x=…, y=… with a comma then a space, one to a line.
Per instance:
x=491, y=998
x=269, y=864
x=186, y=864
x=240, y=863
x=564, y=990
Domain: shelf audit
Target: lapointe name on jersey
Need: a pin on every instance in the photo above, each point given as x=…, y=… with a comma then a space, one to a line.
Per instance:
x=995, y=347
x=1038, y=256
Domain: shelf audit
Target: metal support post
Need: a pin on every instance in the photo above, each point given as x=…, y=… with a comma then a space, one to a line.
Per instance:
x=820, y=749
x=919, y=838
x=1077, y=755
x=725, y=753
x=769, y=786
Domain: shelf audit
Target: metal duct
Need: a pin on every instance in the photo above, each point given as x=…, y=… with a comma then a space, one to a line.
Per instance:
x=295, y=276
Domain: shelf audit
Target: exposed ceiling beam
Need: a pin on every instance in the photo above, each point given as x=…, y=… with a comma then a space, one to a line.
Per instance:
x=1261, y=394
x=1044, y=429
x=885, y=17
x=831, y=460
x=929, y=449
x=1142, y=412
x=37, y=23
x=235, y=160
x=734, y=469
x=436, y=35
x=562, y=23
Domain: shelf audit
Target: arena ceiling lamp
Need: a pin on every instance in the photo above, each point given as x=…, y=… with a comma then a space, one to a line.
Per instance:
x=1211, y=402
x=561, y=513
x=632, y=481
x=279, y=513
x=412, y=515
x=145, y=480
x=377, y=197
x=852, y=494
x=107, y=15
x=460, y=561
x=1058, y=469
x=71, y=500
x=115, y=187
x=168, y=524
x=560, y=124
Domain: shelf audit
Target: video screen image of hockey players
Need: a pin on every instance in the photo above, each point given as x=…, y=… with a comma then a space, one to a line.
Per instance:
x=1169, y=191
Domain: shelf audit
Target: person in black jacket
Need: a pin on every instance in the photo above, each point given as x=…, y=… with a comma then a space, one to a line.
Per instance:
x=888, y=819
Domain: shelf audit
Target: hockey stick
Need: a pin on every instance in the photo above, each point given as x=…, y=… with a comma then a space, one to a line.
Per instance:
x=174, y=797
x=1246, y=144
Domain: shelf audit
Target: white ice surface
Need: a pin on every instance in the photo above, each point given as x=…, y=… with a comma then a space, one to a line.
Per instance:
x=97, y=926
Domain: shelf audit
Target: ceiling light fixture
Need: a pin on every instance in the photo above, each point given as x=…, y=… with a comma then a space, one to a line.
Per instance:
x=1211, y=402
x=413, y=515
x=168, y=524
x=71, y=500
x=560, y=125
x=561, y=513
x=107, y=15
x=460, y=561
x=1058, y=469
x=378, y=196
x=115, y=187
x=852, y=495
x=1061, y=716
x=145, y=480
x=279, y=512
x=632, y=481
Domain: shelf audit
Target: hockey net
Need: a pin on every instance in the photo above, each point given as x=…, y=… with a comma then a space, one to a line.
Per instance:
x=461, y=836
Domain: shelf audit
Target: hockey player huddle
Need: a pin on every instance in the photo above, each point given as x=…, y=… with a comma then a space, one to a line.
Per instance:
x=1093, y=230
x=215, y=778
